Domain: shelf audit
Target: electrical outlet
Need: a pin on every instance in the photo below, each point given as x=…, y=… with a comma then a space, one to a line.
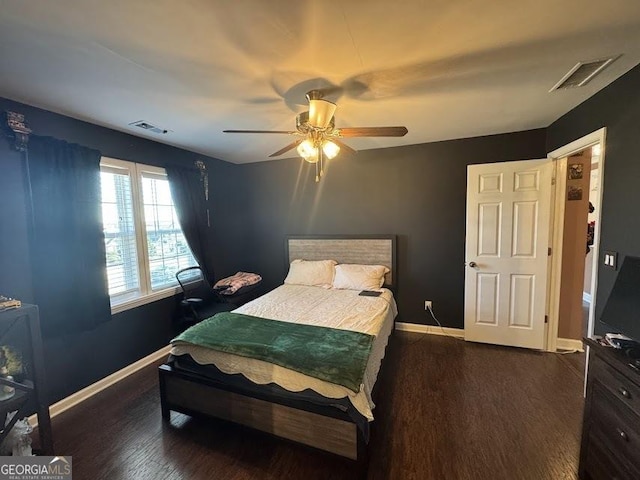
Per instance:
x=428, y=304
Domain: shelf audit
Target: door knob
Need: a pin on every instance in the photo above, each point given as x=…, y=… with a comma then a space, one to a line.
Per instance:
x=472, y=264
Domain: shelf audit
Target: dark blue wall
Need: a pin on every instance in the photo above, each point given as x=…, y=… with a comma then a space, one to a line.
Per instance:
x=616, y=107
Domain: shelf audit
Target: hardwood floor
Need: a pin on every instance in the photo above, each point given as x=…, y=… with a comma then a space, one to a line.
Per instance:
x=446, y=410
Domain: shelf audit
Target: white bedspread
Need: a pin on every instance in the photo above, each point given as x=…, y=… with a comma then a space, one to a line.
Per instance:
x=343, y=309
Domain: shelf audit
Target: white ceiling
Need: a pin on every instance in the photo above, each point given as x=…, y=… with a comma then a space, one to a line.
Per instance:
x=443, y=68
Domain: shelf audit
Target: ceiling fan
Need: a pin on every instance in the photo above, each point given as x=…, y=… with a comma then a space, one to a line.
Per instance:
x=319, y=137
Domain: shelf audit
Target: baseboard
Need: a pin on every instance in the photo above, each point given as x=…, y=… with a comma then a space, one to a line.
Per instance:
x=87, y=392
x=430, y=329
x=569, y=344
x=586, y=297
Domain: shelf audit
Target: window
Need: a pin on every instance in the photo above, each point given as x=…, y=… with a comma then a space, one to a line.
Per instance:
x=144, y=244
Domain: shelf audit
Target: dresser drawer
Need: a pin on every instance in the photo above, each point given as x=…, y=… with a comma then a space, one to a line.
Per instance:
x=619, y=385
x=601, y=463
x=616, y=424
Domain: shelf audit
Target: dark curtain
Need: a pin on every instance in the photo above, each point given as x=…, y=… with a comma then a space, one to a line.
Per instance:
x=67, y=241
x=189, y=199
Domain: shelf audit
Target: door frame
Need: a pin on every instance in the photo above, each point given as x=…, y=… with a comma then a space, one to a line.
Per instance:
x=558, y=157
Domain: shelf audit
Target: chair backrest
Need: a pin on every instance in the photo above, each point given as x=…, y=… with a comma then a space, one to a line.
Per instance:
x=193, y=283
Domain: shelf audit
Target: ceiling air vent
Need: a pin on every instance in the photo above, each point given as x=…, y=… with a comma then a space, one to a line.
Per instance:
x=147, y=126
x=582, y=73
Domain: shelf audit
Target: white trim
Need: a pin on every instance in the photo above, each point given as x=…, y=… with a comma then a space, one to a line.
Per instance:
x=586, y=371
x=569, y=344
x=595, y=248
x=586, y=297
x=144, y=299
x=559, y=155
x=555, y=263
x=430, y=329
x=580, y=144
x=87, y=392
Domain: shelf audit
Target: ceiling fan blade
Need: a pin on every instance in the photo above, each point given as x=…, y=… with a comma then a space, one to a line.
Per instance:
x=288, y=132
x=372, y=132
x=291, y=146
x=343, y=145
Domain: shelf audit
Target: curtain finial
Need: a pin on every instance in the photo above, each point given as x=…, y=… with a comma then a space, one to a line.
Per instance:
x=18, y=129
x=204, y=177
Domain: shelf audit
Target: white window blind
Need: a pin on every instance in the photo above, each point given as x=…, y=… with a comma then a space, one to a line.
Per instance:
x=145, y=246
x=119, y=232
x=167, y=247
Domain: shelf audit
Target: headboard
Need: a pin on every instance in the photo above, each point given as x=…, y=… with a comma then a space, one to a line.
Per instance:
x=362, y=249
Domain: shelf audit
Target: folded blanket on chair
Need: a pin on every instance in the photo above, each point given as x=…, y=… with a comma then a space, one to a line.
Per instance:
x=236, y=282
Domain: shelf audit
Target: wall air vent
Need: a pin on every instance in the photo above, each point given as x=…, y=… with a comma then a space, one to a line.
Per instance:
x=147, y=126
x=582, y=73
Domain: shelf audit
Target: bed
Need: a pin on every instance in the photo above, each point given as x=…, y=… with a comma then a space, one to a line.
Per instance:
x=285, y=401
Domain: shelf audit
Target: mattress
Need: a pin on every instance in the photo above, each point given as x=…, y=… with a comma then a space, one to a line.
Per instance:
x=343, y=309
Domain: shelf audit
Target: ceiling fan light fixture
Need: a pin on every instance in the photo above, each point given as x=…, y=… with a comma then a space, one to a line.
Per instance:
x=308, y=151
x=312, y=158
x=330, y=149
x=318, y=137
x=321, y=112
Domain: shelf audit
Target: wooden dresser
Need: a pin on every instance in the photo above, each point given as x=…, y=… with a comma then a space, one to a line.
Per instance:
x=611, y=429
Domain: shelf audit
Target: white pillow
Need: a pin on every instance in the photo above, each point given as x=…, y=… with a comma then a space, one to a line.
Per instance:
x=359, y=277
x=317, y=273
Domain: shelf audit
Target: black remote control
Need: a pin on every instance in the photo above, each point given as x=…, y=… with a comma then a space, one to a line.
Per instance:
x=369, y=293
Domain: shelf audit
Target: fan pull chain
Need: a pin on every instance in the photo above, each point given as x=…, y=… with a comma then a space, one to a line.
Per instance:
x=317, y=176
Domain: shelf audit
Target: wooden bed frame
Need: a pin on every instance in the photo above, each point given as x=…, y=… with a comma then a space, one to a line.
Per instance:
x=326, y=428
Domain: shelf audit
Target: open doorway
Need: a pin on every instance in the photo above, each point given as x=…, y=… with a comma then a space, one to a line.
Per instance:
x=579, y=169
x=578, y=248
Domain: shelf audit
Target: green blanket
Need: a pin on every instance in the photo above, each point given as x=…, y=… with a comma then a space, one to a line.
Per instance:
x=337, y=356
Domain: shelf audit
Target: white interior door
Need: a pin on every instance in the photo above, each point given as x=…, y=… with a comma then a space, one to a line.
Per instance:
x=508, y=218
